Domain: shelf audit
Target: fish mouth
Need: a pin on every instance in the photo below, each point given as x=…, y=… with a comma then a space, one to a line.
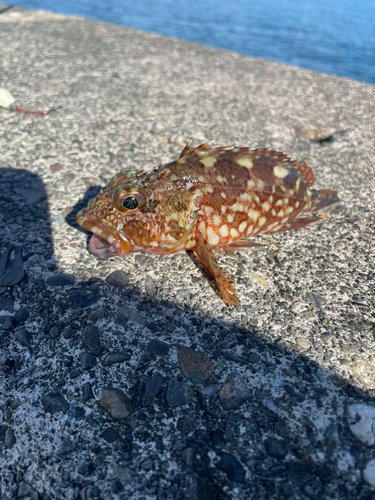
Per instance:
x=104, y=242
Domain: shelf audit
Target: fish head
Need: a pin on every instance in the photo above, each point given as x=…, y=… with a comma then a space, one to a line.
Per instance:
x=113, y=215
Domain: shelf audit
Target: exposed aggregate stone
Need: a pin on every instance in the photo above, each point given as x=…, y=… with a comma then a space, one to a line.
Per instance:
x=288, y=411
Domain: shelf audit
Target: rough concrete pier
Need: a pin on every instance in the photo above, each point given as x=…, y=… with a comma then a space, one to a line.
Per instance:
x=142, y=384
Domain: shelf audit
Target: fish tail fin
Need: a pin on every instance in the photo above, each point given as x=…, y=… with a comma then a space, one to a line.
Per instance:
x=324, y=199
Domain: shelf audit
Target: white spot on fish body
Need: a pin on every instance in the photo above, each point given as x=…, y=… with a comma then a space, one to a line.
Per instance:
x=253, y=214
x=209, y=161
x=286, y=201
x=209, y=189
x=208, y=210
x=221, y=179
x=212, y=237
x=279, y=202
x=230, y=218
x=265, y=206
x=223, y=209
x=246, y=197
x=154, y=244
x=249, y=231
x=217, y=220
x=244, y=162
x=96, y=230
x=262, y=221
x=289, y=210
x=190, y=244
x=297, y=204
x=280, y=171
x=273, y=212
x=201, y=179
x=281, y=213
x=223, y=231
x=173, y=177
x=250, y=184
x=223, y=195
x=298, y=182
x=260, y=184
x=237, y=207
x=242, y=226
x=234, y=233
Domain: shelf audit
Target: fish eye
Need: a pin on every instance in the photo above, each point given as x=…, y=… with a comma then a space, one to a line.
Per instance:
x=131, y=203
x=129, y=200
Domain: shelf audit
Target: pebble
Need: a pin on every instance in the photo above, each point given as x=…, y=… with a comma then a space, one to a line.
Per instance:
x=110, y=435
x=116, y=357
x=115, y=403
x=54, y=332
x=6, y=304
x=7, y=415
x=82, y=297
x=188, y=456
x=68, y=333
x=303, y=343
x=26, y=490
x=55, y=167
x=24, y=337
x=152, y=388
x=9, y=439
x=123, y=474
x=158, y=348
x=118, y=278
x=232, y=467
x=315, y=300
x=88, y=361
x=20, y=317
x=54, y=402
x=275, y=448
x=369, y=473
x=32, y=196
x=150, y=287
x=233, y=357
x=91, y=339
x=87, y=393
x=361, y=420
x=60, y=280
x=179, y=394
x=11, y=266
x=147, y=465
x=234, y=392
x=195, y=365
x=132, y=315
x=7, y=324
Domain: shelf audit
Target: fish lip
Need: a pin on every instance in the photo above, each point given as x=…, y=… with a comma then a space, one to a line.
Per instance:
x=103, y=243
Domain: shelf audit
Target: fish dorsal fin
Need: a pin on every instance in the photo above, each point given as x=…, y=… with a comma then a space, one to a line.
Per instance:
x=201, y=151
x=305, y=172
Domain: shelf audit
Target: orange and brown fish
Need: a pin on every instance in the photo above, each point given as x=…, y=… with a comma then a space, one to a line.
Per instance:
x=208, y=198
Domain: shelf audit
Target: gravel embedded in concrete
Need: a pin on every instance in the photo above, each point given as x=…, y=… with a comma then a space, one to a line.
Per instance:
x=300, y=347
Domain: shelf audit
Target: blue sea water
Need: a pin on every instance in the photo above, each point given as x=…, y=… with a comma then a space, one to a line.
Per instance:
x=331, y=36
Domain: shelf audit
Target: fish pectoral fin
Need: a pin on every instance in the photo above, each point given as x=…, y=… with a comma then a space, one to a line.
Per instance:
x=207, y=258
x=241, y=245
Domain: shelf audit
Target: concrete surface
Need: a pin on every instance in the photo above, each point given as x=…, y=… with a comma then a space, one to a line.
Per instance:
x=298, y=353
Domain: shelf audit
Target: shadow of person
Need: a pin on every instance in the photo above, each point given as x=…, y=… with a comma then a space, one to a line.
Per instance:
x=246, y=413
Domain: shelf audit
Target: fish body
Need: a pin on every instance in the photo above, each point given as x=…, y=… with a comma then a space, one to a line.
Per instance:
x=209, y=197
